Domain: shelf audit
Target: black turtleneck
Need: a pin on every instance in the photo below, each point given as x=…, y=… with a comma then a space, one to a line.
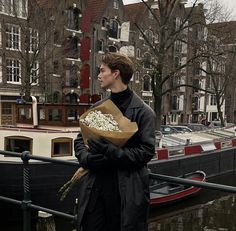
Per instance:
x=122, y=99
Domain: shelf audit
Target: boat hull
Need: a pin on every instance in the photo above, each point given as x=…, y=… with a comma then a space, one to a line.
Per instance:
x=168, y=193
x=45, y=181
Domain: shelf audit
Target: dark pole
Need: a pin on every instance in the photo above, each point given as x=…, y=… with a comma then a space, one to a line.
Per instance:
x=26, y=184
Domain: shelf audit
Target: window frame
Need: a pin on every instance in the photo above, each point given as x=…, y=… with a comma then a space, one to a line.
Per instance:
x=13, y=37
x=61, y=140
x=10, y=74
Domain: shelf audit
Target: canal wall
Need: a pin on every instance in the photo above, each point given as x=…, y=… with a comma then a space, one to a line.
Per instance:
x=213, y=163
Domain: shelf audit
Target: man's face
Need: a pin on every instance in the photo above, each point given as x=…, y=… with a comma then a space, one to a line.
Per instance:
x=106, y=77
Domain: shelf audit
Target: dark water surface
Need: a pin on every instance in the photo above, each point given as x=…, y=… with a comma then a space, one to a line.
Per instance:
x=210, y=210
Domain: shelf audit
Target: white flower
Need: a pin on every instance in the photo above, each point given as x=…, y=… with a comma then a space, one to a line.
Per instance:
x=100, y=121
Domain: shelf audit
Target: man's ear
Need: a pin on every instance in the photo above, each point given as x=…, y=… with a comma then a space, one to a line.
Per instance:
x=116, y=73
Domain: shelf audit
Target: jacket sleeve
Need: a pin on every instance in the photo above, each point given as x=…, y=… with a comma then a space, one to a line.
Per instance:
x=141, y=147
x=81, y=152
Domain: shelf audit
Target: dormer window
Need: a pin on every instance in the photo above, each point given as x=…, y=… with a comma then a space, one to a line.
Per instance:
x=116, y=4
x=114, y=29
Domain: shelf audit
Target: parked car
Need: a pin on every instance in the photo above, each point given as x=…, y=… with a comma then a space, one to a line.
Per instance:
x=215, y=124
x=196, y=127
x=181, y=128
x=167, y=129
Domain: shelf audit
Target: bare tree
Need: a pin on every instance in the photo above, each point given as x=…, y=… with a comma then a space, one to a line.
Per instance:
x=173, y=21
x=180, y=26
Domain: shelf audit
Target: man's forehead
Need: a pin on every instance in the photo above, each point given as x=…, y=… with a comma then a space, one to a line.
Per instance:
x=103, y=66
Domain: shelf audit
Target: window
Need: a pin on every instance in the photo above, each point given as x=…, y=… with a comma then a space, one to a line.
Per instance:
x=6, y=6
x=14, y=7
x=56, y=37
x=101, y=45
x=42, y=114
x=147, y=61
x=62, y=147
x=175, y=102
x=55, y=66
x=71, y=98
x=137, y=76
x=13, y=69
x=178, y=46
x=116, y=4
x=34, y=76
x=18, y=144
x=149, y=37
x=24, y=114
x=72, y=48
x=146, y=83
x=72, y=115
x=195, y=103
x=114, y=29
x=12, y=37
x=104, y=22
x=73, y=18
x=55, y=115
x=196, y=85
x=212, y=100
x=71, y=78
x=178, y=23
x=34, y=40
x=6, y=109
x=112, y=49
x=56, y=97
x=177, y=62
x=197, y=68
x=138, y=53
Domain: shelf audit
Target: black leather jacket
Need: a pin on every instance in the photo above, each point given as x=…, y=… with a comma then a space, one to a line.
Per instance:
x=133, y=176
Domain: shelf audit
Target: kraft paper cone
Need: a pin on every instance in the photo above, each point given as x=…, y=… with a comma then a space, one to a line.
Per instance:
x=128, y=128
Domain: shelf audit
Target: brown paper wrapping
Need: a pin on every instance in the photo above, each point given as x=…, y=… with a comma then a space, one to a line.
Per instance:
x=128, y=128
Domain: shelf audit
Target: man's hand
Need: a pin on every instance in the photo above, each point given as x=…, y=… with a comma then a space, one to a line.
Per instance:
x=98, y=145
x=96, y=161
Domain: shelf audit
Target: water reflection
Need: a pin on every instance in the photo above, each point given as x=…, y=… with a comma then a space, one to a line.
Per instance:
x=219, y=214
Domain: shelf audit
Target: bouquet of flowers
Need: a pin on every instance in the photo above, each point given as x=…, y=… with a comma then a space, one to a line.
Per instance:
x=103, y=121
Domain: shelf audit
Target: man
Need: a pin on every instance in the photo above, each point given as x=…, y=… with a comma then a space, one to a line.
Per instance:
x=114, y=195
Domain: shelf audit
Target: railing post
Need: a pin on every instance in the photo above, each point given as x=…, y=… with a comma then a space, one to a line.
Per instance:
x=26, y=184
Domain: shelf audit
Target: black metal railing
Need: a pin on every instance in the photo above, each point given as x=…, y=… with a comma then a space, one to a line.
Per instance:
x=27, y=204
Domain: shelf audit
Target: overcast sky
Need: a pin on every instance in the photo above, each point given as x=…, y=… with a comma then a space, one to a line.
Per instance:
x=230, y=4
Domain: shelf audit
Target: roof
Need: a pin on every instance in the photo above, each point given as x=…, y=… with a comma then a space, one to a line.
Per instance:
x=96, y=8
x=133, y=11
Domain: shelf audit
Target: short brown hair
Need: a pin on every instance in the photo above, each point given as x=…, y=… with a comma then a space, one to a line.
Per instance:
x=116, y=61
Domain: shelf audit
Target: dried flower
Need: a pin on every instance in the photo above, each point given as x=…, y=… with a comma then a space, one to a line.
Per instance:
x=100, y=121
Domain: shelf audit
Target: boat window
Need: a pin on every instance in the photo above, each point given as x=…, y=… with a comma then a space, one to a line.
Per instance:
x=55, y=115
x=24, y=113
x=42, y=113
x=62, y=147
x=18, y=144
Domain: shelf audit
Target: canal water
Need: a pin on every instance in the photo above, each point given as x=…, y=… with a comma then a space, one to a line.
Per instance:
x=210, y=210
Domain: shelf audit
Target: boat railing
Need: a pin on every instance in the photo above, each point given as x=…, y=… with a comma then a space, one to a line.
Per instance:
x=26, y=204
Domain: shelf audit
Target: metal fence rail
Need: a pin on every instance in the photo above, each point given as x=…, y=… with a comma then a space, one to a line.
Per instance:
x=27, y=204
